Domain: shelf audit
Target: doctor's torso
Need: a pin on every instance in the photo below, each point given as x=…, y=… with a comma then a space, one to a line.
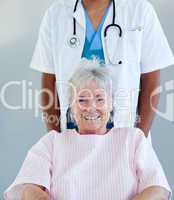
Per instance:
x=126, y=49
x=138, y=22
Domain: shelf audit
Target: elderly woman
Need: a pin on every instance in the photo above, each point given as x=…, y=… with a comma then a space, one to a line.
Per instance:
x=91, y=163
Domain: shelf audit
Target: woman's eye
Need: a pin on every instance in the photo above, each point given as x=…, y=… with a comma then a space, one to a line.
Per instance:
x=100, y=99
x=82, y=100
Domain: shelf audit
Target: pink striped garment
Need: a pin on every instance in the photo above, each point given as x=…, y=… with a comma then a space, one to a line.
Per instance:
x=114, y=166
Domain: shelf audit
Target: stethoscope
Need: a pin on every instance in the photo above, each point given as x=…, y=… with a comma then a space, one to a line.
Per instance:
x=74, y=41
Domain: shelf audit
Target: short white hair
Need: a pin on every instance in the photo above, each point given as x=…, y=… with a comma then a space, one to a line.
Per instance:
x=90, y=70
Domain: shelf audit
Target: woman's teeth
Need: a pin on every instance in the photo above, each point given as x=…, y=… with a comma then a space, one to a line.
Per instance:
x=91, y=118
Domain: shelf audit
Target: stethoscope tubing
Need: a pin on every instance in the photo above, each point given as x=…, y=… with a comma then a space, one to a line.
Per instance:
x=107, y=28
x=74, y=40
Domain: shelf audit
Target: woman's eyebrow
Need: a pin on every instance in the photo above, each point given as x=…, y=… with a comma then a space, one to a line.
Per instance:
x=84, y=97
x=99, y=95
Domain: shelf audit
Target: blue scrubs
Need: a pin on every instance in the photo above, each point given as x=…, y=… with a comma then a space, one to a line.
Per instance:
x=93, y=42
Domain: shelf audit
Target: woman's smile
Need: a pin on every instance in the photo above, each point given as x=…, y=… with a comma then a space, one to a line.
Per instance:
x=91, y=117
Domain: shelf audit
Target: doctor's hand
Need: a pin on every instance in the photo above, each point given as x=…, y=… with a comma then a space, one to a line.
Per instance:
x=34, y=192
x=153, y=193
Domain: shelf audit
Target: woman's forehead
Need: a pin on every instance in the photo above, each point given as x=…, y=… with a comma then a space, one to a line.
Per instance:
x=91, y=87
x=91, y=92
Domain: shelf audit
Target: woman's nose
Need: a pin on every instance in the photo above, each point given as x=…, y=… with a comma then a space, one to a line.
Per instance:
x=92, y=106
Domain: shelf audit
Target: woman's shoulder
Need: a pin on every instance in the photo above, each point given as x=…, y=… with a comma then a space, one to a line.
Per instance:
x=49, y=136
x=130, y=138
x=129, y=130
x=129, y=133
x=46, y=142
x=54, y=135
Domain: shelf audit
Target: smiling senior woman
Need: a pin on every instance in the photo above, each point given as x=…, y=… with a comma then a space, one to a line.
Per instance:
x=92, y=162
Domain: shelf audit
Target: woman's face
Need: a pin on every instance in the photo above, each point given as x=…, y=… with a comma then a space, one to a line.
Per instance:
x=91, y=108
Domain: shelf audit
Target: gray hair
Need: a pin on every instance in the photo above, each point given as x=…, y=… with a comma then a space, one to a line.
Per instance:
x=89, y=70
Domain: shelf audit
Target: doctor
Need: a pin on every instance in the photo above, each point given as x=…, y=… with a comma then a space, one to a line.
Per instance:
x=124, y=34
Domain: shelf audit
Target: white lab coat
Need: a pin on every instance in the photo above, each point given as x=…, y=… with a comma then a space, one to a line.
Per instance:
x=143, y=48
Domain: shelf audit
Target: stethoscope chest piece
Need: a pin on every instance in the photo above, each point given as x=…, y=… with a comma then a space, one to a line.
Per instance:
x=73, y=41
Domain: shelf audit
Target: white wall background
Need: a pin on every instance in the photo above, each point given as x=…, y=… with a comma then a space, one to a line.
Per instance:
x=19, y=24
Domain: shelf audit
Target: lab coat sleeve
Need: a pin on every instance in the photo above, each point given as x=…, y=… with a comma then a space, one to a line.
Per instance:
x=148, y=168
x=42, y=59
x=156, y=53
x=36, y=169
